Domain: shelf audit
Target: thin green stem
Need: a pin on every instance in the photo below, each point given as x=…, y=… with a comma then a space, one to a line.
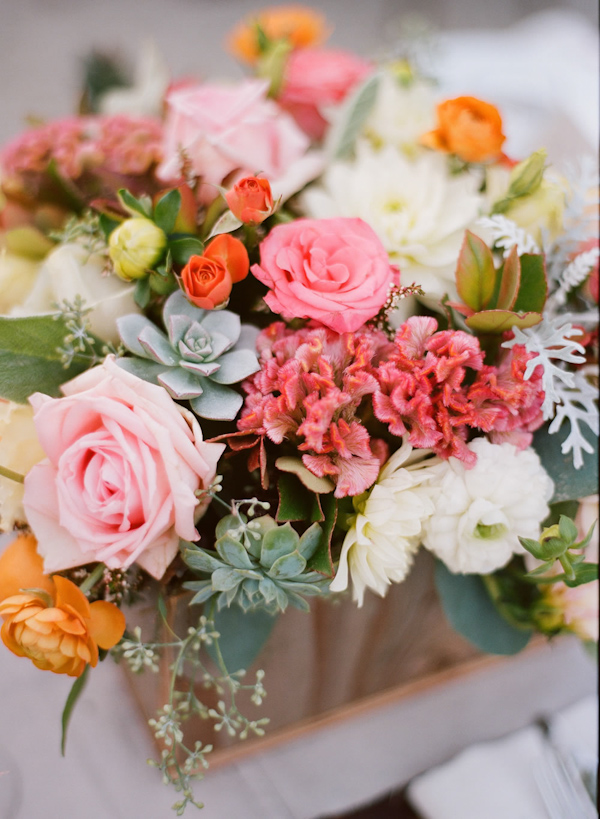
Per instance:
x=5, y=472
x=91, y=580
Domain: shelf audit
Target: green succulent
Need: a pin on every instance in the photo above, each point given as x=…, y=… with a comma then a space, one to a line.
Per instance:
x=258, y=564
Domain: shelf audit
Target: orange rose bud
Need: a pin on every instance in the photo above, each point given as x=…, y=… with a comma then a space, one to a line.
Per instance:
x=250, y=200
x=469, y=128
x=51, y=622
x=206, y=282
x=232, y=253
x=298, y=25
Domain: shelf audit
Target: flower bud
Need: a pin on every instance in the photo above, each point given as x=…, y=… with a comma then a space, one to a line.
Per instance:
x=206, y=282
x=526, y=177
x=135, y=246
x=250, y=200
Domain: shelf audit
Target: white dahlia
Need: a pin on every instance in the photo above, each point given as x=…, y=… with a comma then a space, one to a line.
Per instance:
x=418, y=209
x=481, y=512
x=386, y=530
x=401, y=114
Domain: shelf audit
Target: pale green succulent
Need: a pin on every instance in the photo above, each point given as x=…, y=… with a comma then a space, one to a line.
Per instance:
x=203, y=352
x=258, y=564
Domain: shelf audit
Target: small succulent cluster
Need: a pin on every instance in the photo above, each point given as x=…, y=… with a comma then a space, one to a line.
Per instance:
x=202, y=353
x=258, y=564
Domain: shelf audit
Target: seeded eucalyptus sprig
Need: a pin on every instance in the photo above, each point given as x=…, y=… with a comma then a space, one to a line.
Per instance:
x=558, y=543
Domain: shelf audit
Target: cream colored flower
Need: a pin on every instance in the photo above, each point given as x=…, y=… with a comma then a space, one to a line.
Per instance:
x=481, y=512
x=401, y=114
x=19, y=451
x=386, y=530
x=70, y=270
x=418, y=209
x=17, y=277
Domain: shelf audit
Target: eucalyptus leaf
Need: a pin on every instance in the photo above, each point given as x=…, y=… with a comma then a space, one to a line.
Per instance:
x=242, y=636
x=351, y=118
x=470, y=610
x=29, y=357
x=569, y=483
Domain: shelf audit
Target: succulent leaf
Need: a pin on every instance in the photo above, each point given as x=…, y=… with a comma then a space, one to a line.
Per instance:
x=278, y=542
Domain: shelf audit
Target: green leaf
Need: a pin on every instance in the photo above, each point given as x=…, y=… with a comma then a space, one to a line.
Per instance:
x=568, y=508
x=510, y=279
x=233, y=553
x=142, y=292
x=182, y=248
x=470, y=610
x=569, y=483
x=200, y=560
x=107, y=225
x=310, y=540
x=584, y=573
x=475, y=272
x=74, y=695
x=287, y=566
x=354, y=111
x=29, y=357
x=242, y=636
x=167, y=209
x=321, y=560
x=534, y=286
x=296, y=502
x=498, y=321
x=321, y=486
x=552, y=547
x=567, y=529
x=142, y=206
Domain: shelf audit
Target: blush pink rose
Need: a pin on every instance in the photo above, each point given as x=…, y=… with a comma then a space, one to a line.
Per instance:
x=333, y=270
x=315, y=80
x=227, y=128
x=123, y=464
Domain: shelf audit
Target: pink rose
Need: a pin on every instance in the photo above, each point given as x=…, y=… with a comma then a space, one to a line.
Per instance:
x=123, y=464
x=316, y=79
x=333, y=270
x=226, y=128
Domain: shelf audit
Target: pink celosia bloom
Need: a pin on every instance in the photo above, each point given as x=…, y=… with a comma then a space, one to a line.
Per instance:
x=119, y=144
x=308, y=390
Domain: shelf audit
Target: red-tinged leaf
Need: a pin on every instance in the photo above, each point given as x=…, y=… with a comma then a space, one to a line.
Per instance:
x=534, y=286
x=498, y=321
x=509, y=282
x=475, y=272
x=460, y=308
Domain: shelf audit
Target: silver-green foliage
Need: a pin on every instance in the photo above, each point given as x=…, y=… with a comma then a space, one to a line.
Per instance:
x=203, y=352
x=258, y=564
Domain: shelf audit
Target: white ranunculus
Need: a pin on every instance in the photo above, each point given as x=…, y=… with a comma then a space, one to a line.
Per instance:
x=17, y=277
x=417, y=208
x=481, y=512
x=401, y=114
x=70, y=270
x=386, y=530
x=19, y=451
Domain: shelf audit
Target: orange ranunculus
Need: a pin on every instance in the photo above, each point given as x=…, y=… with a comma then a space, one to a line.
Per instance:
x=469, y=128
x=299, y=25
x=51, y=620
x=250, y=200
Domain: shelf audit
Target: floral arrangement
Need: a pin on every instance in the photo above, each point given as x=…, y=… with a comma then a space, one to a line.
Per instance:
x=265, y=340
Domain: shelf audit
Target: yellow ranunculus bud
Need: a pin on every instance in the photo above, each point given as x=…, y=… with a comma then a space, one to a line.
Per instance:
x=135, y=246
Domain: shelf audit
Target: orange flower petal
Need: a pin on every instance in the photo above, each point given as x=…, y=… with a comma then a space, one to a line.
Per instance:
x=21, y=567
x=107, y=624
x=68, y=646
x=68, y=594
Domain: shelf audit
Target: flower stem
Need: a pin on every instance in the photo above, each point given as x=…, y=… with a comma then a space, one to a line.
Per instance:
x=91, y=580
x=12, y=476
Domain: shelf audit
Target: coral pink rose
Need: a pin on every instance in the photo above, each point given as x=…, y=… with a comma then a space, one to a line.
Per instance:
x=124, y=462
x=316, y=79
x=226, y=128
x=333, y=270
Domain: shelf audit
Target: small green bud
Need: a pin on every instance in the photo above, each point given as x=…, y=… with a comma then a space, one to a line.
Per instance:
x=135, y=246
x=526, y=177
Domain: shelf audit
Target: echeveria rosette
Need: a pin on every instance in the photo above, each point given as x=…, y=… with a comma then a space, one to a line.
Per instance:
x=202, y=353
x=257, y=565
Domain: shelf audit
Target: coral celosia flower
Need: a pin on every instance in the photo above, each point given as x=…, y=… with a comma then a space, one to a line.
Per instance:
x=308, y=390
x=51, y=621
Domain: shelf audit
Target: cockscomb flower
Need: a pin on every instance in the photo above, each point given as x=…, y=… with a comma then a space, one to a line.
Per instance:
x=308, y=391
x=119, y=144
x=203, y=353
x=422, y=390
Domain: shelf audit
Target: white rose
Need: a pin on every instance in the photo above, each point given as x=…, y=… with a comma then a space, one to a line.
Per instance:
x=70, y=270
x=19, y=451
x=418, y=209
x=481, y=512
x=386, y=530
